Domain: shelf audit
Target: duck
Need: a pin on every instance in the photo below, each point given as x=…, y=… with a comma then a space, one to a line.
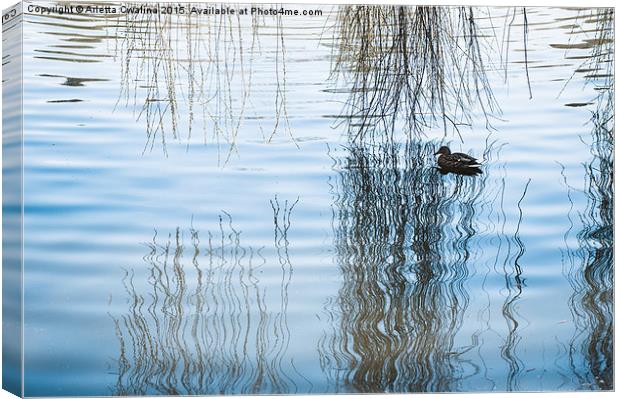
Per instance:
x=458, y=163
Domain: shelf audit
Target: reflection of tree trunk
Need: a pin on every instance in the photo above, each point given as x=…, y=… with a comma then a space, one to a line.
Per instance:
x=206, y=326
x=402, y=243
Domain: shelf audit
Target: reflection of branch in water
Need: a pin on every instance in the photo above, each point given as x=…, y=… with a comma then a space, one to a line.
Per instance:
x=424, y=63
x=602, y=59
x=527, y=69
x=599, y=65
x=403, y=237
x=591, y=275
x=506, y=42
x=205, y=64
x=282, y=223
x=280, y=98
x=206, y=326
x=591, y=263
x=514, y=287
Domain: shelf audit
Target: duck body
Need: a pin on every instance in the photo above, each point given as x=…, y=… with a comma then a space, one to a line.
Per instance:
x=457, y=162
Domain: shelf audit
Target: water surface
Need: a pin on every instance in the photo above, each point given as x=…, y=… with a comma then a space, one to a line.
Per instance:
x=250, y=204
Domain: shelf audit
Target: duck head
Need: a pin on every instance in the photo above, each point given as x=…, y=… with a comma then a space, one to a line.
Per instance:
x=443, y=150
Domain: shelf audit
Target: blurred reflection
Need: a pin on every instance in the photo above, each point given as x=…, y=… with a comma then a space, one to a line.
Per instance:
x=201, y=321
x=73, y=82
x=591, y=264
x=403, y=236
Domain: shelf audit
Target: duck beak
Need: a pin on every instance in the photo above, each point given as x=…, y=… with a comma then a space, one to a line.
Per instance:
x=437, y=153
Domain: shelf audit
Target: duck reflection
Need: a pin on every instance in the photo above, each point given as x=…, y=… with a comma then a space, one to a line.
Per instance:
x=201, y=321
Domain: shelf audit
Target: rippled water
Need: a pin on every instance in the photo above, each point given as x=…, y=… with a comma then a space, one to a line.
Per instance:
x=225, y=205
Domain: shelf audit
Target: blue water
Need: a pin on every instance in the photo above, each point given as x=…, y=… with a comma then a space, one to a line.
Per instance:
x=200, y=220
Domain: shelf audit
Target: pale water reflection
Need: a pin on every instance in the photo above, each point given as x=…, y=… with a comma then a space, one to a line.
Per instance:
x=203, y=322
x=251, y=204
